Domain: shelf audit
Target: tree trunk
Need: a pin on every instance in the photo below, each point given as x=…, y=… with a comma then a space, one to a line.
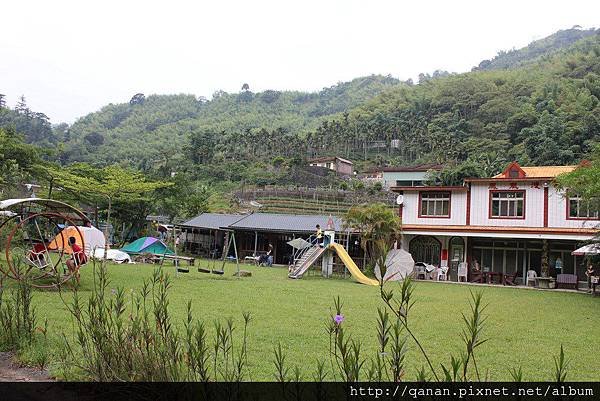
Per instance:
x=106, y=231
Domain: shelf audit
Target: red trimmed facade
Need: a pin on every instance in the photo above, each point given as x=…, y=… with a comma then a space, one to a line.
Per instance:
x=421, y=216
x=502, y=244
x=495, y=191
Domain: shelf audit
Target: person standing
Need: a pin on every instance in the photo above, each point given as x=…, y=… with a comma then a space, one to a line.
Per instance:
x=558, y=265
x=319, y=235
x=589, y=272
x=270, y=256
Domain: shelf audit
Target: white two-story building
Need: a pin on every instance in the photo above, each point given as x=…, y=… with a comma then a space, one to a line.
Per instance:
x=501, y=222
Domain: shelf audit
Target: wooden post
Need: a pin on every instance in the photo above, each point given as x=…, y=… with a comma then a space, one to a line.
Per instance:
x=255, y=242
x=237, y=260
x=225, y=248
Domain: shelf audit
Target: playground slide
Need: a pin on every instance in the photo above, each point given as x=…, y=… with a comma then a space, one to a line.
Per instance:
x=351, y=266
x=316, y=254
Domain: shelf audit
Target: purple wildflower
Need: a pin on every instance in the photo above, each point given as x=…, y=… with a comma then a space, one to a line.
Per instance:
x=338, y=319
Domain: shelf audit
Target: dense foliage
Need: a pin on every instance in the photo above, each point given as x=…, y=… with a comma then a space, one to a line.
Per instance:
x=243, y=125
x=538, y=48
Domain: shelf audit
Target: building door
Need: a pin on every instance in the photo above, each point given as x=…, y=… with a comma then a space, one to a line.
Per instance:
x=456, y=256
x=425, y=249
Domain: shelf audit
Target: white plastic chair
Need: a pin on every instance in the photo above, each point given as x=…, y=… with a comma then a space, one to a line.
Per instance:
x=420, y=271
x=462, y=271
x=442, y=273
x=531, y=277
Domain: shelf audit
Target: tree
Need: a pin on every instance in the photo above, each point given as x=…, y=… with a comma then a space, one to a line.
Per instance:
x=138, y=98
x=21, y=107
x=584, y=181
x=245, y=87
x=112, y=183
x=17, y=162
x=379, y=226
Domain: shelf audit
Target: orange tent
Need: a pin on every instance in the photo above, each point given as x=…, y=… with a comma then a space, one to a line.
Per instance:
x=92, y=238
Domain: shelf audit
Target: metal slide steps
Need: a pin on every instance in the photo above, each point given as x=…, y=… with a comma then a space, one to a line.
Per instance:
x=307, y=260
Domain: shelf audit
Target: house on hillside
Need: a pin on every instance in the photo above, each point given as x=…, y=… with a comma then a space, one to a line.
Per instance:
x=503, y=223
x=407, y=175
x=337, y=164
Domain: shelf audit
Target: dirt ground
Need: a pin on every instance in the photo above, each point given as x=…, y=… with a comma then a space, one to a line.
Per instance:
x=10, y=371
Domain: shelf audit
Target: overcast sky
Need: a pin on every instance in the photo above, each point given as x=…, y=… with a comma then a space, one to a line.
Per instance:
x=70, y=58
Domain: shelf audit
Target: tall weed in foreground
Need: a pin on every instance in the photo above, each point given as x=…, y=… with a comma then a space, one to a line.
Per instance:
x=117, y=340
x=19, y=330
x=18, y=320
x=394, y=333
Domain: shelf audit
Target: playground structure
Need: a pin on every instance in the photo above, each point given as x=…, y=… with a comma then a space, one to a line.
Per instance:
x=34, y=235
x=308, y=254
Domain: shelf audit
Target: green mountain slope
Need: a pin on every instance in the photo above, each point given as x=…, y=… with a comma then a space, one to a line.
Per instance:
x=138, y=133
x=536, y=49
x=547, y=111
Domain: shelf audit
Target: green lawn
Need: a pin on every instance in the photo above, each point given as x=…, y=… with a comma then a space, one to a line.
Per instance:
x=525, y=327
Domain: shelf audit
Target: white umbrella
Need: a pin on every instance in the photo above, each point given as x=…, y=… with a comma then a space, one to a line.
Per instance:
x=299, y=243
x=589, y=249
x=399, y=264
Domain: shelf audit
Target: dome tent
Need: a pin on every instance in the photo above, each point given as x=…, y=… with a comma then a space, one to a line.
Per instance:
x=147, y=245
x=92, y=239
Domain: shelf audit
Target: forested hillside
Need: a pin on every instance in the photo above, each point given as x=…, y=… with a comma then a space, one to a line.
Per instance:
x=545, y=112
x=148, y=127
x=539, y=48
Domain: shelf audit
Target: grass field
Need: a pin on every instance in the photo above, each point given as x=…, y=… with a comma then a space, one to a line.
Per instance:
x=525, y=327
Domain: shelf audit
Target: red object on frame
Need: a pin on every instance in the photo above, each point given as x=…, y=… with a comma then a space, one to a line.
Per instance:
x=444, y=254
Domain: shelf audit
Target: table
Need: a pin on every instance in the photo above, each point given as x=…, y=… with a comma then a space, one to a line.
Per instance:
x=545, y=282
x=492, y=275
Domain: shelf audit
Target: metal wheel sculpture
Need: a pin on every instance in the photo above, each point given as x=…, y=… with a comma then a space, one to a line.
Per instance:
x=32, y=232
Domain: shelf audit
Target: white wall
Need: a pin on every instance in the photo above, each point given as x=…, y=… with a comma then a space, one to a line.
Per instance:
x=557, y=212
x=458, y=211
x=480, y=206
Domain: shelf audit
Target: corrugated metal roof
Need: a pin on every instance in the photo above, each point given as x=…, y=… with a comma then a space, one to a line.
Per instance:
x=285, y=222
x=542, y=171
x=213, y=221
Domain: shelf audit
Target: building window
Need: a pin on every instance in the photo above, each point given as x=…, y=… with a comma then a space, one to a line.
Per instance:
x=581, y=209
x=434, y=204
x=409, y=183
x=508, y=204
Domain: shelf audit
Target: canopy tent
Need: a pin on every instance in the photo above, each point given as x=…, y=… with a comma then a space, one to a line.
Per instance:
x=399, y=264
x=147, y=245
x=589, y=249
x=92, y=239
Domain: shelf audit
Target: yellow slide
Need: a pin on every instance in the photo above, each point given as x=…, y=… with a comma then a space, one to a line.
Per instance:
x=351, y=266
